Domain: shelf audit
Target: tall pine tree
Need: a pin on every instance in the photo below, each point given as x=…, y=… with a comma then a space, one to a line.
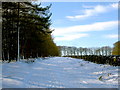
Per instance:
x=34, y=23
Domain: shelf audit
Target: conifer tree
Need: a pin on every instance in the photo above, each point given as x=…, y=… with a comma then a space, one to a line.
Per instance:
x=34, y=23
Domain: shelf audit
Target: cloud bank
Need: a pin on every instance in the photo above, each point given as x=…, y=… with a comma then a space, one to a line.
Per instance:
x=79, y=31
x=94, y=11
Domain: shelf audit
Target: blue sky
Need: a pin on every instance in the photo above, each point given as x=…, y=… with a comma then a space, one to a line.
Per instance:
x=84, y=24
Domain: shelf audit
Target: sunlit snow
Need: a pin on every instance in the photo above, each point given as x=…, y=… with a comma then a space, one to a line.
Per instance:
x=59, y=72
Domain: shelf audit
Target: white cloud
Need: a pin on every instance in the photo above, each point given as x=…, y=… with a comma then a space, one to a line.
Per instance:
x=74, y=32
x=114, y=5
x=94, y=11
x=99, y=26
x=114, y=36
x=70, y=37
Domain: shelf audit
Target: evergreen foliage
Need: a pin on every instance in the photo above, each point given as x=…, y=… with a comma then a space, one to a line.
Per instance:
x=33, y=22
x=111, y=60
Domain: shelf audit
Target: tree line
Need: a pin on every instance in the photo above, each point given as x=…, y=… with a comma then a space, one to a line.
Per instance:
x=101, y=55
x=32, y=21
x=74, y=51
x=103, y=51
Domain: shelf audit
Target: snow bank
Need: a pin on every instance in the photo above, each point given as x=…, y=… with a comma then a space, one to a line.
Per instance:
x=59, y=72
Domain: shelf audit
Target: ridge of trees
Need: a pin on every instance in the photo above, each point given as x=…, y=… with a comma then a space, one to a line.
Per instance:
x=33, y=22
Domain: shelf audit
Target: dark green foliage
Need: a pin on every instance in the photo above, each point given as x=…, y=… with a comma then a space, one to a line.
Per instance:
x=100, y=78
x=111, y=60
x=34, y=23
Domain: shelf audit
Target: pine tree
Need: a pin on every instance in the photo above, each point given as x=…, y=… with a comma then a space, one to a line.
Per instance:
x=34, y=23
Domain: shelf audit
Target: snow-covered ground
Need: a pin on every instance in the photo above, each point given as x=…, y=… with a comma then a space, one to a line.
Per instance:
x=59, y=72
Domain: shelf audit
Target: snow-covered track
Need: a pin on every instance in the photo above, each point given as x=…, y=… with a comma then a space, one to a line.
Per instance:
x=59, y=72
